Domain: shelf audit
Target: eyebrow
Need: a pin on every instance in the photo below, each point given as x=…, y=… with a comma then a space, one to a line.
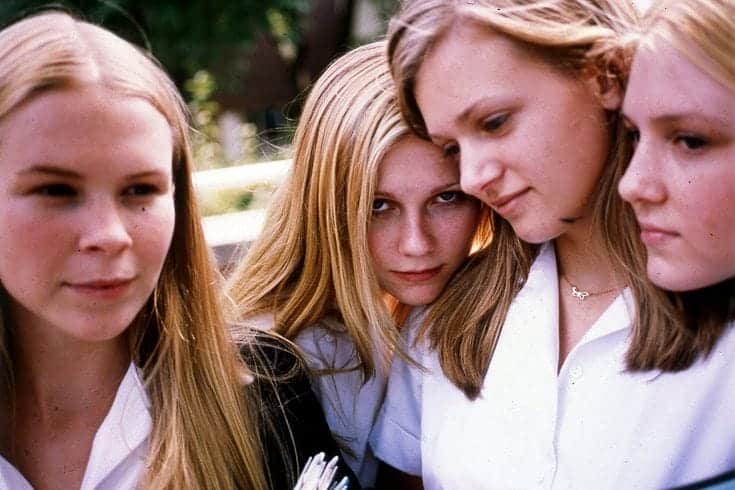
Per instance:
x=465, y=114
x=50, y=170
x=435, y=190
x=53, y=170
x=668, y=119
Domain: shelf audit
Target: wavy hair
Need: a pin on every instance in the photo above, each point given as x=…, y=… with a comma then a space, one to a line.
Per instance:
x=205, y=430
x=581, y=38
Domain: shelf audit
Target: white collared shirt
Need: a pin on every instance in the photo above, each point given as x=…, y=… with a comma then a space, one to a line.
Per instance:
x=350, y=406
x=592, y=425
x=120, y=446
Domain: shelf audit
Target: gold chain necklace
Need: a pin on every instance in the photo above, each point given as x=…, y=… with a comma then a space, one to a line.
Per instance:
x=582, y=294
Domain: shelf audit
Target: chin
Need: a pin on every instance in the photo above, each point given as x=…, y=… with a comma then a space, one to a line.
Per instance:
x=417, y=299
x=536, y=236
x=682, y=278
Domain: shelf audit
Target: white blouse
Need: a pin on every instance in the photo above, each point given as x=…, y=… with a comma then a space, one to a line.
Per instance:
x=592, y=425
x=120, y=446
x=350, y=406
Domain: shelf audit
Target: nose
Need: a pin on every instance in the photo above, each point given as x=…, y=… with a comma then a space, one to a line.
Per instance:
x=104, y=228
x=416, y=238
x=478, y=169
x=642, y=181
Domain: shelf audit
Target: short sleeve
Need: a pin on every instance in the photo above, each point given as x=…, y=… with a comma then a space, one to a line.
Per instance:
x=396, y=435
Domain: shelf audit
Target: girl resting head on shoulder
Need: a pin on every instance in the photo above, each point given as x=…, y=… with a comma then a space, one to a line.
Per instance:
x=370, y=222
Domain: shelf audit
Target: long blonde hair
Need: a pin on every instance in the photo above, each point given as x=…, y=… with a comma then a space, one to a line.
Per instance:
x=205, y=429
x=580, y=38
x=696, y=27
x=311, y=259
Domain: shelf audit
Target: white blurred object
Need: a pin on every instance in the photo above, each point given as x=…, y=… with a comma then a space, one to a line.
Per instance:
x=642, y=5
x=318, y=475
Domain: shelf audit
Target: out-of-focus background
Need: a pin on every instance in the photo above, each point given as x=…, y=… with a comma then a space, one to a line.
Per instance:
x=244, y=67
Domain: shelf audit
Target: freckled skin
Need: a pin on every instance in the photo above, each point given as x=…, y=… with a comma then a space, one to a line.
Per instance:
x=681, y=179
x=421, y=222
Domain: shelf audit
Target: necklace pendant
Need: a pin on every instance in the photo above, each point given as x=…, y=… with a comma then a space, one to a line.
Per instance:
x=580, y=295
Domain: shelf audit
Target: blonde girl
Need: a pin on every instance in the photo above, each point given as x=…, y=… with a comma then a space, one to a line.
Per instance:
x=368, y=214
x=116, y=368
x=552, y=362
x=680, y=181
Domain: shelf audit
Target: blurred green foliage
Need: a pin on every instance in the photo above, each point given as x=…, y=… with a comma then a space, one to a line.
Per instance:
x=186, y=36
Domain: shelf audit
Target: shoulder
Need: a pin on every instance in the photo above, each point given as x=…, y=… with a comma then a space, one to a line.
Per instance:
x=293, y=421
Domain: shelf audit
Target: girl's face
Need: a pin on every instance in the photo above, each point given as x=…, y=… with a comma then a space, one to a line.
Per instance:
x=422, y=225
x=531, y=141
x=86, y=210
x=681, y=181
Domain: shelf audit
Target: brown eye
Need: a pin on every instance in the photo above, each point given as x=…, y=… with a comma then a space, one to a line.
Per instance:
x=55, y=190
x=450, y=150
x=495, y=122
x=691, y=142
x=140, y=190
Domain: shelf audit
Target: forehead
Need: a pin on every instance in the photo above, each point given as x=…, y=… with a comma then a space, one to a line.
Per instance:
x=414, y=163
x=465, y=47
x=664, y=81
x=85, y=125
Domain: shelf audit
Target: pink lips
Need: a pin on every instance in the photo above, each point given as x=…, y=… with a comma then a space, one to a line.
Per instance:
x=419, y=275
x=102, y=289
x=506, y=204
x=653, y=236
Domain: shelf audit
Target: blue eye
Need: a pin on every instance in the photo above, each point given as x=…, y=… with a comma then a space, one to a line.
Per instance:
x=450, y=196
x=380, y=205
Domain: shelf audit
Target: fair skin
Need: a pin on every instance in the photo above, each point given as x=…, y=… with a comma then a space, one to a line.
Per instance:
x=88, y=212
x=681, y=179
x=422, y=225
x=531, y=144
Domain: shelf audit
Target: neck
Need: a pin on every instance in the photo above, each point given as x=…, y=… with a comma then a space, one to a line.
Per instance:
x=583, y=260
x=63, y=379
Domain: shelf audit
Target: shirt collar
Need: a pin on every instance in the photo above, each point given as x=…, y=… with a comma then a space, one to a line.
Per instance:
x=125, y=428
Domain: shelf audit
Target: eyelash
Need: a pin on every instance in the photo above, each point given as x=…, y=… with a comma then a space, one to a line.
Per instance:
x=65, y=191
x=496, y=122
x=690, y=142
x=140, y=190
x=490, y=125
x=443, y=198
x=380, y=211
x=455, y=196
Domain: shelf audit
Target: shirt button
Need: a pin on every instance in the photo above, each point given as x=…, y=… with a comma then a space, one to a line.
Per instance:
x=576, y=373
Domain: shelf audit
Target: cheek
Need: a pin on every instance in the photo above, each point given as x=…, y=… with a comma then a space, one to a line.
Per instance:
x=382, y=248
x=32, y=240
x=710, y=212
x=458, y=230
x=153, y=229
